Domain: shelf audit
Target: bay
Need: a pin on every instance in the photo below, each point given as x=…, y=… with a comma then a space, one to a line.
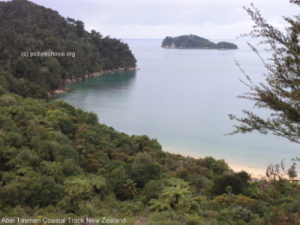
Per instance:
x=182, y=97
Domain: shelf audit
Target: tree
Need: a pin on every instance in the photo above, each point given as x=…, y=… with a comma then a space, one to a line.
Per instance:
x=168, y=41
x=236, y=183
x=176, y=195
x=130, y=188
x=20, y=68
x=77, y=187
x=144, y=169
x=281, y=92
x=80, y=28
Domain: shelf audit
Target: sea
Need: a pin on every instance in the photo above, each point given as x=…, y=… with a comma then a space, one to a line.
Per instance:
x=182, y=98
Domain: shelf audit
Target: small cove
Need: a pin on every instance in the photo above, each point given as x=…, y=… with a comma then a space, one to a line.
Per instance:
x=182, y=97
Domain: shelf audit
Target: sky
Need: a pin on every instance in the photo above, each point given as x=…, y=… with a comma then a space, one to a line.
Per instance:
x=156, y=19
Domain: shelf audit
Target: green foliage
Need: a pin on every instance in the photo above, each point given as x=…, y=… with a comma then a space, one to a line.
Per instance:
x=238, y=182
x=44, y=30
x=30, y=189
x=153, y=189
x=60, y=120
x=217, y=166
x=280, y=91
x=130, y=188
x=77, y=187
x=166, y=218
x=292, y=172
x=57, y=160
x=117, y=178
x=2, y=90
x=144, y=169
x=176, y=195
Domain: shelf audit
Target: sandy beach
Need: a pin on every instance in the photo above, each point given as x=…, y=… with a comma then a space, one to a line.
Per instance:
x=255, y=172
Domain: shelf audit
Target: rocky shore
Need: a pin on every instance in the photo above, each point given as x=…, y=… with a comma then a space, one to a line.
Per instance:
x=53, y=93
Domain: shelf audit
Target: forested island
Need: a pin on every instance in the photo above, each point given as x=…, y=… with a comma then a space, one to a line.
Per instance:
x=59, y=165
x=194, y=42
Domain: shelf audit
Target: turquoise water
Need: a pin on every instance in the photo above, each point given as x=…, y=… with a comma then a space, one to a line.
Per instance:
x=182, y=97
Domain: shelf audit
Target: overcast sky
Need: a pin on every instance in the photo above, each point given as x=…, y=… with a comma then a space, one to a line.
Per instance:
x=156, y=19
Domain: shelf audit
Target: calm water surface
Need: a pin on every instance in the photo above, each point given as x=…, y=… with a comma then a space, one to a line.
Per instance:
x=182, y=97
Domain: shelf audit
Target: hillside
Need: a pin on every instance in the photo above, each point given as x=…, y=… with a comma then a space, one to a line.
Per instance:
x=59, y=165
x=59, y=162
x=194, y=42
x=40, y=50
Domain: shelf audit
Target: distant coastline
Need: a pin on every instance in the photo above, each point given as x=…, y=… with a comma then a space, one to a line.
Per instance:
x=173, y=47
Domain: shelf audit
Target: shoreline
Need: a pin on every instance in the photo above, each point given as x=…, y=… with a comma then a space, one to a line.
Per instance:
x=62, y=90
x=255, y=172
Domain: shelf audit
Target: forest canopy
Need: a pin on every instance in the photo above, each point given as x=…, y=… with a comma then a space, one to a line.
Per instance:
x=28, y=30
x=60, y=162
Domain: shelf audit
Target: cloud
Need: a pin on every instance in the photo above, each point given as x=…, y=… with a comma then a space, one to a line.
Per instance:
x=156, y=18
x=207, y=30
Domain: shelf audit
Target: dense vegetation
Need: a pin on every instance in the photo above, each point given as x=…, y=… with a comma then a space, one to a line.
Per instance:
x=58, y=162
x=27, y=28
x=193, y=41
